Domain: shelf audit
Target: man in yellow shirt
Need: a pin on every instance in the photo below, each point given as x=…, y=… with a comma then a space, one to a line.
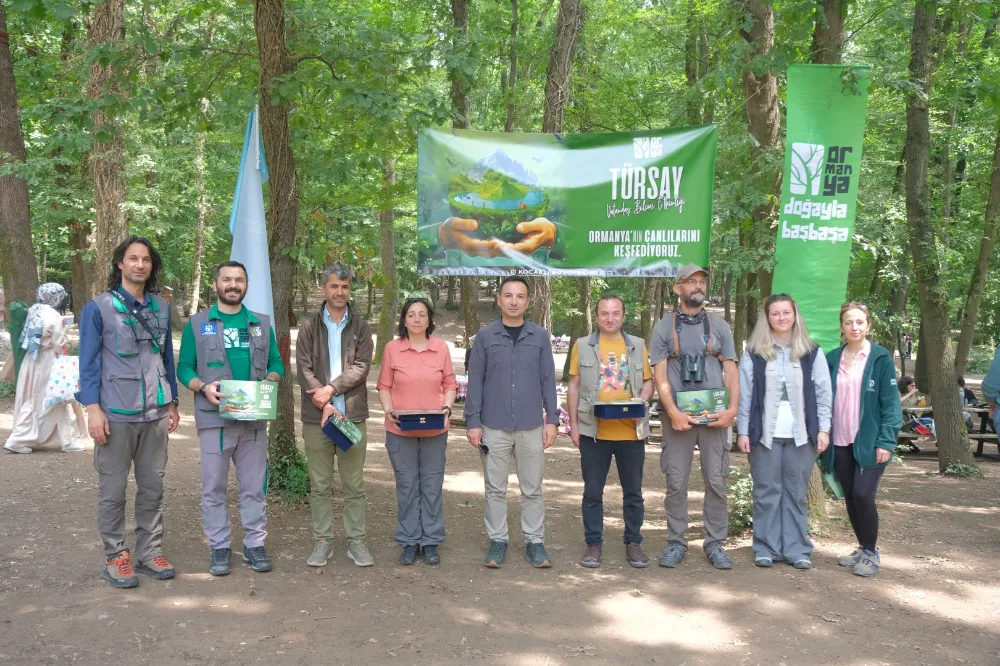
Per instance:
x=607, y=366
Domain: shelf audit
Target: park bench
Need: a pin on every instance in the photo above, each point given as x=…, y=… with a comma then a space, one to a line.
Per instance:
x=909, y=439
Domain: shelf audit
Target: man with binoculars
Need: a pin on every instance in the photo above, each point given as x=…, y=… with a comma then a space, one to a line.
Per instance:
x=693, y=350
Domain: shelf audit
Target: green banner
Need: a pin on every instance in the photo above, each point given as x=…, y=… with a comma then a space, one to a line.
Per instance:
x=819, y=193
x=615, y=204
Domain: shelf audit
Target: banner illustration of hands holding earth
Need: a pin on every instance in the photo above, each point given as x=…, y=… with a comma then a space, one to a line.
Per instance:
x=614, y=204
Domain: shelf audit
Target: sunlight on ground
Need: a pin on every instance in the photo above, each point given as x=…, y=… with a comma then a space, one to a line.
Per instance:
x=234, y=605
x=949, y=605
x=637, y=618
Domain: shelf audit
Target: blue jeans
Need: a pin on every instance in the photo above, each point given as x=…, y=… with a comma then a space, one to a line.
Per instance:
x=595, y=462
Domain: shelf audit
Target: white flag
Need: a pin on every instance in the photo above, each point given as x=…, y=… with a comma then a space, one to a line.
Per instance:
x=247, y=223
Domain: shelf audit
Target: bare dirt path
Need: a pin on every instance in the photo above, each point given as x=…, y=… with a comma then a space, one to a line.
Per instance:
x=937, y=600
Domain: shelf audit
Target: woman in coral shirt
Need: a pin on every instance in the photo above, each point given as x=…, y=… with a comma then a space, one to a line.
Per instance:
x=417, y=375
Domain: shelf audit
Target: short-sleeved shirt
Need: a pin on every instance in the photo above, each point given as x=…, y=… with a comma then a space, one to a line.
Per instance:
x=692, y=339
x=416, y=379
x=614, y=377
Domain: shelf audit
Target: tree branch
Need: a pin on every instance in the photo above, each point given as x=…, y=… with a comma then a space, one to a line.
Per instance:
x=323, y=60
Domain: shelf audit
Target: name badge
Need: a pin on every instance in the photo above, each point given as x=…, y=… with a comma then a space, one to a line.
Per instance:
x=255, y=330
x=209, y=328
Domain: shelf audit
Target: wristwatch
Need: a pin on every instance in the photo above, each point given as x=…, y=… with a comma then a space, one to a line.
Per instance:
x=175, y=402
x=448, y=408
x=201, y=389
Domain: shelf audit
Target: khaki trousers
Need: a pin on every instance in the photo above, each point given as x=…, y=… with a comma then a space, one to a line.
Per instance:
x=320, y=452
x=525, y=448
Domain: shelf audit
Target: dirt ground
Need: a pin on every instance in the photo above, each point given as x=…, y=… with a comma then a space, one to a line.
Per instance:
x=935, y=602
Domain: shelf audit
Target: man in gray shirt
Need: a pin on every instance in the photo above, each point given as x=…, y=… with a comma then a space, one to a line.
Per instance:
x=693, y=350
x=511, y=377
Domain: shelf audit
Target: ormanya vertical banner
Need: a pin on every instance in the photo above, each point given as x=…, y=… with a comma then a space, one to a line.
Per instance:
x=819, y=194
x=623, y=203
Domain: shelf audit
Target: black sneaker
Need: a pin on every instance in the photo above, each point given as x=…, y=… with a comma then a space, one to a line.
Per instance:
x=257, y=559
x=431, y=555
x=220, y=562
x=720, y=558
x=409, y=555
x=495, y=558
x=535, y=553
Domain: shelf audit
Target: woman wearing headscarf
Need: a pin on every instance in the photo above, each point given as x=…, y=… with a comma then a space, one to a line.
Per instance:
x=43, y=339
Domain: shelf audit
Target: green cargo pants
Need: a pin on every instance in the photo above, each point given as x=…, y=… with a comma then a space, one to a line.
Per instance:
x=320, y=452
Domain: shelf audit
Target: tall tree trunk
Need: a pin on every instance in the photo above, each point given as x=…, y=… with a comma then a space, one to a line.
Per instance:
x=390, y=286
x=511, y=79
x=17, y=254
x=828, y=35
x=450, y=300
x=691, y=39
x=657, y=300
x=540, y=289
x=727, y=297
x=583, y=322
x=561, y=64
x=708, y=65
x=740, y=329
x=556, y=94
x=107, y=154
x=935, y=343
x=764, y=124
x=274, y=62
x=647, y=298
x=974, y=297
x=468, y=286
x=194, y=288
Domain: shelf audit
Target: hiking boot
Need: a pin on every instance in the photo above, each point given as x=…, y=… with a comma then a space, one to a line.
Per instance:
x=321, y=553
x=673, y=555
x=869, y=564
x=118, y=571
x=535, y=553
x=763, y=561
x=157, y=568
x=358, y=552
x=592, y=558
x=220, y=562
x=496, y=555
x=635, y=555
x=431, y=555
x=409, y=555
x=851, y=560
x=803, y=563
x=257, y=559
x=720, y=558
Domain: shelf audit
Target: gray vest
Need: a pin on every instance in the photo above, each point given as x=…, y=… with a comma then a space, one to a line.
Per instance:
x=588, y=356
x=134, y=383
x=213, y=364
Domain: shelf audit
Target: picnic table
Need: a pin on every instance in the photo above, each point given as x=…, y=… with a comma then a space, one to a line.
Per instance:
x=985, y=434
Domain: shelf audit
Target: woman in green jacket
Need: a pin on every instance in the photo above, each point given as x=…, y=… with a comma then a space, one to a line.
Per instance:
x=867, y=418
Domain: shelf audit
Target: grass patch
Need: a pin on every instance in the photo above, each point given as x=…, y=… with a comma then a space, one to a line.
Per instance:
x=7, y=389
x=740, y=499
x=960, y=469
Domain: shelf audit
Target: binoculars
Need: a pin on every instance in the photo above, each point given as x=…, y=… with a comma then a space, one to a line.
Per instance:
x=692, y=368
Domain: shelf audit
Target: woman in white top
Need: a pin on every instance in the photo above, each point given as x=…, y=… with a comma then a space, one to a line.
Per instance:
x=783, y=422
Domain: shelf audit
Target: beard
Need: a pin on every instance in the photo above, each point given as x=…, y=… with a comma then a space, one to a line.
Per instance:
x=233, y=297
x=697, y=299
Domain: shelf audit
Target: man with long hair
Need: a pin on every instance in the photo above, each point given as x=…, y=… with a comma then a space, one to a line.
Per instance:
x=129, y=389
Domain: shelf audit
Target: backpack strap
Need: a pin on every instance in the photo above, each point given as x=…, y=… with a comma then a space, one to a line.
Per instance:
x=708, y=338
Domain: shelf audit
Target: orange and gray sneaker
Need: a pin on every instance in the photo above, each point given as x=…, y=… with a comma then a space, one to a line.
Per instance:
x=157, y=568
x=118, y=570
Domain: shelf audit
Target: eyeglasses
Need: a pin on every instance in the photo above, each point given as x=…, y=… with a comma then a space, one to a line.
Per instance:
x=700, y=282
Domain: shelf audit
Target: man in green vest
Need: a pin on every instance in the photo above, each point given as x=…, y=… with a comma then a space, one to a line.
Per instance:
x=228, y=341
x=129, y=389
x=608, y=366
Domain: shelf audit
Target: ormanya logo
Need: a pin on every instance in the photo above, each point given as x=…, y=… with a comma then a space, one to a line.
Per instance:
x=817, y=170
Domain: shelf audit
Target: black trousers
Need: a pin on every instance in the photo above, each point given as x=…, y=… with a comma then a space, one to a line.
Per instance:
x=860, y=487
x=595, y=462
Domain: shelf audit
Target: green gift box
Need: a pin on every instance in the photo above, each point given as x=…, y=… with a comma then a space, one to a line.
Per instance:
x=700, y=404
x=248, y=401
